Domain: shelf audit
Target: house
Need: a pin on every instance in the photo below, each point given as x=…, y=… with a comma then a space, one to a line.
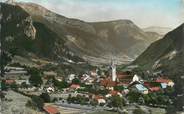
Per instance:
x=75, y=86
x=100, y=99
x=9, y=81
x=124, y=77
x=153, y=86
x=124, y=84
x=163, y=85
x=50, y=89
x=51, y=110
x=50, y=73
x=125, y=91
x=88, y=80
x=60, y=79
x=169, y=82
x=19, y=82
x=139, y=88
x=71, y=77
x=154, y=89
x=15, y=72
x=113, y=93
x=93, y=73
x=142, y=89
x=108, y=84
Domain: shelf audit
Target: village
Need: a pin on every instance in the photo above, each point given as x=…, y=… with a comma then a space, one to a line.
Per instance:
x=94, y=90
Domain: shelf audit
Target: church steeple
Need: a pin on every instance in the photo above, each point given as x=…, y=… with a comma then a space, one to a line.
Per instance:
x=113, y=68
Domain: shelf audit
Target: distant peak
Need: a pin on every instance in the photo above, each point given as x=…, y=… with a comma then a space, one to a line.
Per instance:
x=119, y=21
x=10, y=2
x=122, y=20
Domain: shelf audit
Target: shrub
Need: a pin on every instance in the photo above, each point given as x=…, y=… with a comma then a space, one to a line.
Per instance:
x=138, y=111
x=45, y=97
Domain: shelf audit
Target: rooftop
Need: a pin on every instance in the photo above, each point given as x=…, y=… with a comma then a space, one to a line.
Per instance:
x=51, y=110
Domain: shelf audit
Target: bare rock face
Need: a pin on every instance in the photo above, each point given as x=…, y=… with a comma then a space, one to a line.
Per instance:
x=30, y=30
x=27, y=37
x=16, y=19
x=40, y=13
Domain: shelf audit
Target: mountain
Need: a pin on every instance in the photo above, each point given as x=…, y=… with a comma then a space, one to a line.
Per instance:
x=154, y=36
x=96, y=42
x=165, y=55
x=166, y=52
x=159, y=30
x=29, y=40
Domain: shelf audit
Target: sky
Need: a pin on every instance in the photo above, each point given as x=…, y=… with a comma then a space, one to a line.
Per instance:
x=144, y=13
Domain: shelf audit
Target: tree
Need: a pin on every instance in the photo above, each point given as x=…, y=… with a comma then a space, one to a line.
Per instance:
x=2, y=95
x=45, y=97
x=5, y=59
x=69, y=97
x=30, y=104
x=117, y=101
x=171, y=109
x=76, y=81
x=60, y=84
x=3, y=85
x=14, y=86
x=36, y=76
x=37, y=102
x=179, y=103
x=118, y=88
x=147, y=99
x=24, y=85
x=94, y=103
x=133, y=96
x=138, y=111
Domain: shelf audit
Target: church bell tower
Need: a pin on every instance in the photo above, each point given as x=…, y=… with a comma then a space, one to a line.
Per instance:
x=113, y=68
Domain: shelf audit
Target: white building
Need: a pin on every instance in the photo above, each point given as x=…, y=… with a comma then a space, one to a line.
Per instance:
x=71, y=77
x=50, y=89
x=135, y=78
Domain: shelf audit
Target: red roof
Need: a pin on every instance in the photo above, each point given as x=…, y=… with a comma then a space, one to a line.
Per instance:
x=113, y=93
x=51, y=110
x=154, y=89
x=162, y=80
x=75, y=86
x=122, y=73
x=124, y=76
x=98, y=97
x=107, y=83
x=147, y=83
x=10, y=81
x=123, y=83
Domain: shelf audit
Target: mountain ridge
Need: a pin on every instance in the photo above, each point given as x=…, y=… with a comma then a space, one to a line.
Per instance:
x=166, y=54
x=157, y=29
x=95, y=42
x=98, y=40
